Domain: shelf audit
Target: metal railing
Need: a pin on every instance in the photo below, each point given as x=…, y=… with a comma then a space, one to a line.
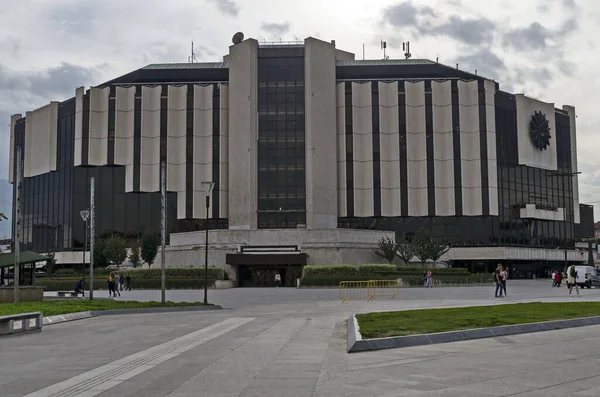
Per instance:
x=367, y=290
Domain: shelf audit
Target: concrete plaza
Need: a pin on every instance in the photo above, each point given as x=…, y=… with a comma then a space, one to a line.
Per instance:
x=289, y=342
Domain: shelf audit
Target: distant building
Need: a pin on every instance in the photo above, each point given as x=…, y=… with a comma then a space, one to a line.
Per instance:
x=314, y=155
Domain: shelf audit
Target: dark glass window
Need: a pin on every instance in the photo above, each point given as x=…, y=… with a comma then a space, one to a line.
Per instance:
x=281, y=142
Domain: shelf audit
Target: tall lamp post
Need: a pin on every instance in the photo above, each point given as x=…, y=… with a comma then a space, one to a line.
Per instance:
x=207, y=188
x=85, y=214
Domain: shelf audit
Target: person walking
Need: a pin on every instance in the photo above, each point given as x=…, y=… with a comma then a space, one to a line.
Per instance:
x=121, y=280
x=428, y=277
x=504, y=275
x=277, y=280
x=572, y=279
x=117, y=284
x=110, y=283
x=498, y=281
x=128, y=283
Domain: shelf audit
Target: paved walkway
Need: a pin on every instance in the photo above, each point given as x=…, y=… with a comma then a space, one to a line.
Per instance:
x=289, y=342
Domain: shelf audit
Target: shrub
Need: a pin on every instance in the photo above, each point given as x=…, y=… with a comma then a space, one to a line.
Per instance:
x=69, y=285
x=332, y=270
x=215, y=273
x=362, y=269
x=407, y=280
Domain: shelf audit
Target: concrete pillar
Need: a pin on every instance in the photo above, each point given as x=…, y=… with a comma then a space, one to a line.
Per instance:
x=243, y=135
x=321, y=138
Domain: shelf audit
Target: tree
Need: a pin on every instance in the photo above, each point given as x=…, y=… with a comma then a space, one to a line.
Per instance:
x=115, y=250
x=50, y=262
x=421, y=243
x=134, y=255
x=150, y=243
x=405, y=249
x=437, y=249
x=99, y=257
x=387, y=249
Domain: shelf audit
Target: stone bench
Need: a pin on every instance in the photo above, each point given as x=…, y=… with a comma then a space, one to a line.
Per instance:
x=71, y=294
x=21, y=323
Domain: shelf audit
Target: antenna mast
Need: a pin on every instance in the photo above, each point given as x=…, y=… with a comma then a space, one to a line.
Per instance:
x=406, y=49
x=383, y=47
x=192, y=58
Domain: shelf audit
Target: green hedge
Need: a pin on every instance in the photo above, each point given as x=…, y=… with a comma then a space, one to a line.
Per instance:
x=215, y=273
x=69, y=285
x=351, y=270
x=410, y=281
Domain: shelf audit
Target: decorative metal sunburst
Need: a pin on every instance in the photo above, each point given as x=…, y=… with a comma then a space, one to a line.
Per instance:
x=539, y=130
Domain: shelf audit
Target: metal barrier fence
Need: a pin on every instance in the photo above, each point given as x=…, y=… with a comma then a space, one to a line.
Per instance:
x=356, y=291
x=367, y=290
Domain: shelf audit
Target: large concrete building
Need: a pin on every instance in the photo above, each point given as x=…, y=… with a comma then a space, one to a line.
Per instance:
x=314, y=155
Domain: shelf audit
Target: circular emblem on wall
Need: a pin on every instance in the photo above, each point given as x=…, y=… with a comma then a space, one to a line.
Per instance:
x=539, y=130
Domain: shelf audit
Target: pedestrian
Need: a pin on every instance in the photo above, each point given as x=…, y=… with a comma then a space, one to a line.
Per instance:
x=498, y=281
x=277, y=279
x=558, y=279
x=110, y=283
x=428, y=277
x=128, y=283
x=121, y=280
x=572, y=279
x=425, y=279
x=504, y=275
x=554, y=278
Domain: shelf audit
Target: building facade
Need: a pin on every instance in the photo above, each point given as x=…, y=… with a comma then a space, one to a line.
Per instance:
x=314, y=155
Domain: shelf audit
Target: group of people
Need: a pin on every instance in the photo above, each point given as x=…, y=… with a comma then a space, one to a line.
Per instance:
x=115, y=283
x=500, y=277
x=556, y=278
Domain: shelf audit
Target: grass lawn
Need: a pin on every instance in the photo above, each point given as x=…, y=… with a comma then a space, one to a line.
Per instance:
x=57, y=306
x=412, y=322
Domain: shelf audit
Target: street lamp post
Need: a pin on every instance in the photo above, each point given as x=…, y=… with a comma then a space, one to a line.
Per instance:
x=85, y=214
x=207, y=188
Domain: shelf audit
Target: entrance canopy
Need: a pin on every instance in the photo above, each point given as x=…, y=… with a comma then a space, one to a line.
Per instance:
x=267, y=255
x=25, y=257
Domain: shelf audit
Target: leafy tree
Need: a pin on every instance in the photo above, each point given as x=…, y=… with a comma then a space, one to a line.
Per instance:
x=387, y=249
x=150, y=243
x=421, y=243
x=115, y=250
x=405, y=250
x=437, y=249
x=99, y=257
x=50, y=262
x=134, y=255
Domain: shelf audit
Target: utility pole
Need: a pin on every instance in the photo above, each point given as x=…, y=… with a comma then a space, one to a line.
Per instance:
x=163, y=232
x=92, y=236
x=17, y=241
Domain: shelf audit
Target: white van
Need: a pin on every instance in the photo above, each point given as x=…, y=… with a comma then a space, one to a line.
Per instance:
x=587, y=276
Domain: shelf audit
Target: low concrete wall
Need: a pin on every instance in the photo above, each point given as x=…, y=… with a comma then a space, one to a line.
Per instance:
x=26, y=294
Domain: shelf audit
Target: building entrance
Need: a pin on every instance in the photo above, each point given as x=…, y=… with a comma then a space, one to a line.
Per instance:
x=258, y=265
x=264, y=275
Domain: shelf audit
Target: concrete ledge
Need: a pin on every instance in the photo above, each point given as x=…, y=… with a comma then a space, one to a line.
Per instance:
x=61, y=318
x=357, y=344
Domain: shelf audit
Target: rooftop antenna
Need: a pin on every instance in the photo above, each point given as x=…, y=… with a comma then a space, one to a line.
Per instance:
x=363, y=51
x=192, y=57
x=383, y=47
x=406, y=49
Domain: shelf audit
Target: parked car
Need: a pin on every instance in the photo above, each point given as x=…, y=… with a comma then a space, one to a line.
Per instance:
x=587, y=276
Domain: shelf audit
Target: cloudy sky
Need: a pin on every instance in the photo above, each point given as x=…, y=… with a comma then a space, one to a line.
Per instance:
x=543, y=48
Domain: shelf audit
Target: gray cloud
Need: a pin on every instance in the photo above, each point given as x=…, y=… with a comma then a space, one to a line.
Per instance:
x=536, y=36
x=405, y=14
x=227, y=7
x=569, y=3
x=427, y=22
x=468, y=31
x=277, y=29
x=484, y=61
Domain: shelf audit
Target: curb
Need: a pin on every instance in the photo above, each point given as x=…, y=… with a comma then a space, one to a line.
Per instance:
x=61, y=318
x=357, y=344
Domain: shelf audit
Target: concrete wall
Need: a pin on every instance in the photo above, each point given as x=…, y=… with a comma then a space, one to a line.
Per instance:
x=26, y=294
x=243, y=134
x=321, y=160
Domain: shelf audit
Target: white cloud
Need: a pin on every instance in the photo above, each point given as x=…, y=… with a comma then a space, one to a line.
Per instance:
x=542, y=48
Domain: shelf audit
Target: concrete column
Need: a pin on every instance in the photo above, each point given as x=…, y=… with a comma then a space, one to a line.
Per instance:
x=321, y=138
x=574, y=167
x=243, y=135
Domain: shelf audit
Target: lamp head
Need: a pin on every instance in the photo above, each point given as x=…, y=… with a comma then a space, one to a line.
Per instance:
x=85, y=214
x=207, y=187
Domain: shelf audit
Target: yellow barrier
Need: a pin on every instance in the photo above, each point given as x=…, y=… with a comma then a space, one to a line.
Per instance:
x=367, y=290
x=385, y=288
x=356, y=291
